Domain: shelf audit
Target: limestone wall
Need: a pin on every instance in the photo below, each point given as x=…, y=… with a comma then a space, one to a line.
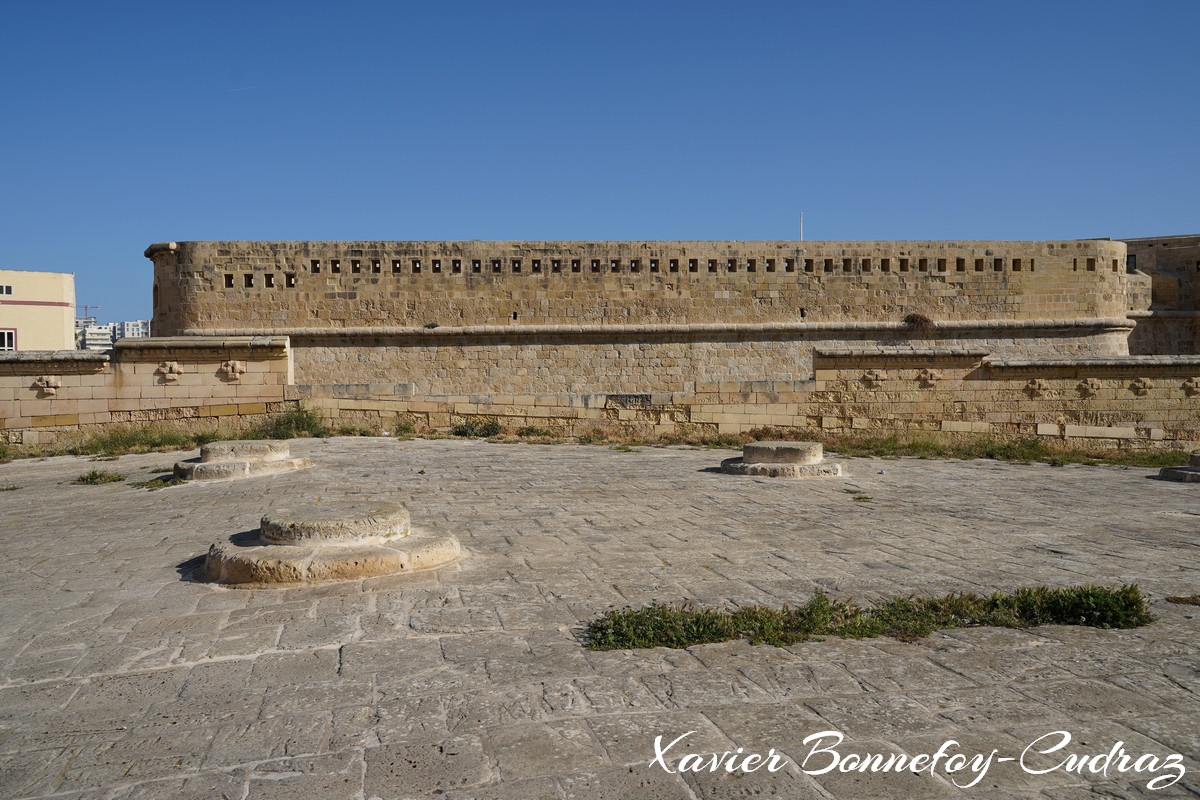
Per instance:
x=48, y=396
x=1170, y=323
x=1126, y=401
x=292, y=287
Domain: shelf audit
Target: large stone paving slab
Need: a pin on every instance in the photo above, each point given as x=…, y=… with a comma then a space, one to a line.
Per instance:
x=120, y=679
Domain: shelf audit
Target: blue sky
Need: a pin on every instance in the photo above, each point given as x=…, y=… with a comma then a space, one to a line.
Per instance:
x=128, y=123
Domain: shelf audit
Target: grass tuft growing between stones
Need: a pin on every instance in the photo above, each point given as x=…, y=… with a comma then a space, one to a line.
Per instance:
x=98, y=476
x=477, y=428
x=905, y=618
x=294, y=423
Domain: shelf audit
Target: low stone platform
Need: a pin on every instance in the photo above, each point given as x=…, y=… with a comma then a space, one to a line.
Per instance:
x=317, y=542
x=1188, y=474
x=239, y=459
x=782, y=460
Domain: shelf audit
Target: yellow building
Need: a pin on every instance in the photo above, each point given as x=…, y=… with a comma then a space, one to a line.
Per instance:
x=37, y=310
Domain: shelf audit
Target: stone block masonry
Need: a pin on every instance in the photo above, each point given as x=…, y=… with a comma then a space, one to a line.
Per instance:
x=951, y=338
x=48, y=397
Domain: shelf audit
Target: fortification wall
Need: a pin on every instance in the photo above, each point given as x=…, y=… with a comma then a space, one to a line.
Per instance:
x=293, y=287
x=47, y=397
x=1170, y=320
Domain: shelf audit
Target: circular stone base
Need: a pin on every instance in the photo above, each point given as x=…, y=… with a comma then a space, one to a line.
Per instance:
x=347, y=523
x=245, y=450
x=1181, y=474
x=783, y=453
x=222, y=470
x=273, y=564
x=736, y=466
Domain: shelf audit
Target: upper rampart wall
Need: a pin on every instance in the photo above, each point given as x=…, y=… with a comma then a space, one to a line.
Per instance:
x=293, y=287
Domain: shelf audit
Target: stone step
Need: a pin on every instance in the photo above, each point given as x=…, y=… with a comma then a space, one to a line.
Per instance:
x=316, y=523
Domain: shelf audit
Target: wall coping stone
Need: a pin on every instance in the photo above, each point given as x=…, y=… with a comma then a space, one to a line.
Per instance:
x=41, y=356
x=711, y=327
x=191, y=342
x=1093, y=361
x=900, y=350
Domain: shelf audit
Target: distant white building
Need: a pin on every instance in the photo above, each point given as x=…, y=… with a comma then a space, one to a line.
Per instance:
x=131, y=328
x=96, y=337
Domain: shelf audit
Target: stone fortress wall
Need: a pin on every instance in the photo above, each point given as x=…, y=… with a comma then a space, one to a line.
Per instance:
x=1004, y=338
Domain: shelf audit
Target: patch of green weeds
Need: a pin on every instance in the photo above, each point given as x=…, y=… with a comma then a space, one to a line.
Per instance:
x=98, y=476
x=905, y=618
x=533, y=432
x=294, y=423
x=477, y=428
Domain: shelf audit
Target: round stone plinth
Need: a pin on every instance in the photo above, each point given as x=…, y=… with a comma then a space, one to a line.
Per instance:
x=247, y=450
x=1188, y=474
x=345, y=522
x=239, y=459
x=274, y=564
x=783, y=453
x=220, y=470
x=738, y=466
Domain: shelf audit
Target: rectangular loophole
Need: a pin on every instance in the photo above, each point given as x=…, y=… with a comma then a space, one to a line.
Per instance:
x=829, y=265
x=496, y=266
x=355, y=265
x=903, y=265
x=941, y=265
x=396, y=265
x=269, y=279
x=1016, y=264
x=693, y=265
x=808, y=265
x=456, y=265
x=536, y=265
x=376, y=268
x=998, y=265
x=556, y=265
x=1091, y=265
x=770, y=265
x=673, y=265
x=315, y=265
x=866, y=264
x=885, y=265
x=335, y=265
x=436, y=265
x=751, y=264
x=614, y=265
x=476, y=265
x=228, y=280
x=847, y=264
x=516, y=265
x=575, y=265
x=1031, y=264
x=731, y=265
x=248, y=280
x=979, y=265
x=789, y=265
x=595, y=265
x=922, y=264
x=712, y=265
x=635, y=265
x=416, y=265
x=654, y=265
x=960, y=265
x=289, y=280
x=1115, y=267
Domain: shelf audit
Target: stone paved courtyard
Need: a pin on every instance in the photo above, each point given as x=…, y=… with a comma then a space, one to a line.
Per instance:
x=121, y=679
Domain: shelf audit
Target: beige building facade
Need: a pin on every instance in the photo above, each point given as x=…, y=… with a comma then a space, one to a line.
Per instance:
x=37, y=310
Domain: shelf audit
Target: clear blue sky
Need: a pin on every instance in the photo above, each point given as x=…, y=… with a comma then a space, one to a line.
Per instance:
x=126, y=123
